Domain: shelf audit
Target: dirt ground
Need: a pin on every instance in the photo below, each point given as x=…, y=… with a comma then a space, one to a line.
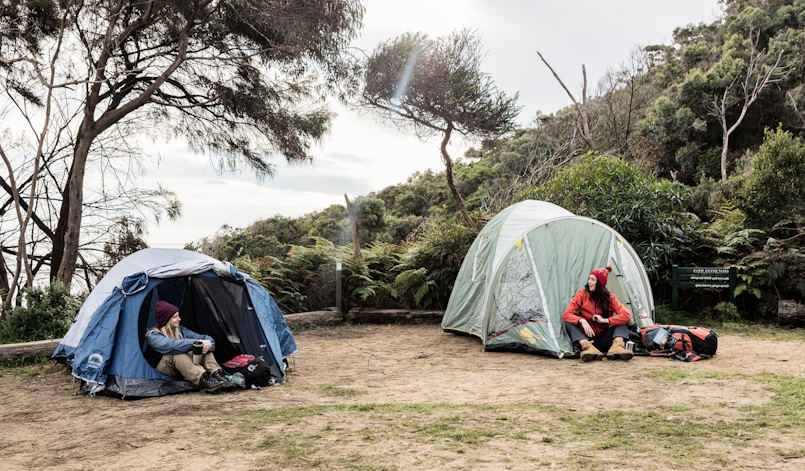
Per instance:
x=418, y=374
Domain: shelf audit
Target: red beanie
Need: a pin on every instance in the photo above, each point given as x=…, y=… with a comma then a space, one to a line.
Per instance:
x=163, y=311
x=601, y=274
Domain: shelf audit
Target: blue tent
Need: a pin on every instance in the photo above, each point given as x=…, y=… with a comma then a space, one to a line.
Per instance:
x=105, y=344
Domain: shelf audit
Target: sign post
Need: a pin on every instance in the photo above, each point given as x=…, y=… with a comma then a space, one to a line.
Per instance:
x=338, y=285
x=701, y=278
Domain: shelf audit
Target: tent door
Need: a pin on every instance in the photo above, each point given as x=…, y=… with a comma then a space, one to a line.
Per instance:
x=616, y=287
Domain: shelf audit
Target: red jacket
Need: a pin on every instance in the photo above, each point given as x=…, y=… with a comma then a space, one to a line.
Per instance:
x=583, y=304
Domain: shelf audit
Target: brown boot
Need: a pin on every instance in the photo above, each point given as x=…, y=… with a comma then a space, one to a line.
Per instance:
x=589, y=352
x=617, y=351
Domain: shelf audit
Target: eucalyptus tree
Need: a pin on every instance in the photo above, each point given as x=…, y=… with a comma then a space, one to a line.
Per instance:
x=437, y=86
x=244, y=80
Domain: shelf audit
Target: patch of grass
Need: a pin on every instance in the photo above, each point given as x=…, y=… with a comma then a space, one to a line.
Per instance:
x=280, y=415
x=664, y=315
x=519, y=435
x=336, y=390
x=677, y=374
x=761, y=331
x=697, y=434
x=296, y=328
x=29, y=361
x=791, y=454
x=788, y=405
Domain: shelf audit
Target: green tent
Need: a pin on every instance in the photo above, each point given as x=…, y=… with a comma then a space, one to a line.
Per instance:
x=524, y=268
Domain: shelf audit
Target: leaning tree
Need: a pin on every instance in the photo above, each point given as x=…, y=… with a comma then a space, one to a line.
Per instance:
x=241, y=79
x=436, y=86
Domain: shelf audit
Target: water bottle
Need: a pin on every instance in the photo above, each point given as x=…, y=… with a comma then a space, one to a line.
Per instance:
x=238, y=379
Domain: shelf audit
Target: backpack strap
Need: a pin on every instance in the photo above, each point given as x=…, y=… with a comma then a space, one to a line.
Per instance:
x=689, y=357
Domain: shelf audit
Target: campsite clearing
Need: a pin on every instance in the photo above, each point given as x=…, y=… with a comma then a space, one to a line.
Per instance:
x=410, y=397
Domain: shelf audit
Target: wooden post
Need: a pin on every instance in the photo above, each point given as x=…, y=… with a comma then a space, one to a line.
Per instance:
x=675, y=287
x=338, y=286
x=733, y=283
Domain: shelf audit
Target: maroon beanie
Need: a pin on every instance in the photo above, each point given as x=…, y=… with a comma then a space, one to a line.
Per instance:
x=163, y=311
x=601, y=274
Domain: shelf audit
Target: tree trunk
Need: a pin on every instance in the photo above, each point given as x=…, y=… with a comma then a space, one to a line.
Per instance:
x=356, y=238
x=58, y=235
x=725, y=145
x=389, y=316
x=790, y=312
x=19, y=351
x=74, y=203
x=448, y=163
x=4, y=286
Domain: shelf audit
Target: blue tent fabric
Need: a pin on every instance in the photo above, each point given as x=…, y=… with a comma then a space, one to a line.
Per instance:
x=103, y=344
x=271, y=318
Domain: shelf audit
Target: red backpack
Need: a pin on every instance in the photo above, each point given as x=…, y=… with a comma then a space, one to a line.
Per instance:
x=679, y=342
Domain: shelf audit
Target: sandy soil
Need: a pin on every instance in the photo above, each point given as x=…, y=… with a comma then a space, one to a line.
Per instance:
x=45, y=425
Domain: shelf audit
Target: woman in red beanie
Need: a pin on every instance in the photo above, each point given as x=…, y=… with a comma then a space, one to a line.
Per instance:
x=596, y=321
x=170, y=346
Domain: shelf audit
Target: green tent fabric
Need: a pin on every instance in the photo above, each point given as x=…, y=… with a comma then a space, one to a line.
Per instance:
x=524, y=268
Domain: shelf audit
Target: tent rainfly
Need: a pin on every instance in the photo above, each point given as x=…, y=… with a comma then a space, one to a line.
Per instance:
x=523, y=269
x=106, y=342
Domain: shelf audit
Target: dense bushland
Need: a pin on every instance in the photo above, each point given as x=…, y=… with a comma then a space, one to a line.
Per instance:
x=655, y=177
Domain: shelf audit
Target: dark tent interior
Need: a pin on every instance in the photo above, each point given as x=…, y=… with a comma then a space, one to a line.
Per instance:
x=209, y=305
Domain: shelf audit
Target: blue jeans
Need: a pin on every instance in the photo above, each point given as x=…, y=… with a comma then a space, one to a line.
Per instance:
x=603, y=341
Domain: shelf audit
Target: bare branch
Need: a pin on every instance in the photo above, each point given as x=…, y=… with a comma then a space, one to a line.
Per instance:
x=581, y=108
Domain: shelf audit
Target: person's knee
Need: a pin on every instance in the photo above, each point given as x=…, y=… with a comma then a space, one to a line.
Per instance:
x=620, y=331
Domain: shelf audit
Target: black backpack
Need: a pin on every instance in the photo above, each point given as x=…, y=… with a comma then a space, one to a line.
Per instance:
x=254, y=370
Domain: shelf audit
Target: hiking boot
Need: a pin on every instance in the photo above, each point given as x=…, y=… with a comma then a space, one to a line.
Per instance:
x=589, y=352
x=617, y=351
x=209, y=384
x=220, y=376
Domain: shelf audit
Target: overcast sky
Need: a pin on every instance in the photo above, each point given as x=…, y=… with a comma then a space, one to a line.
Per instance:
x=361, y=154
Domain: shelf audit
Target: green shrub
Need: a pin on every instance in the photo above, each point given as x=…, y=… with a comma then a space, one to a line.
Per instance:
x=369, y=284
x=650, y=213
x=413, y=288
x=245, y=244
x=440, y=252
x=774, y=191
x=46, y=313
x=401, y=228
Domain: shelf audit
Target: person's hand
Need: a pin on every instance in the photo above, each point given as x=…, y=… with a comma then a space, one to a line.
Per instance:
x=585, y=326
x=600, y=319
x=206, y=346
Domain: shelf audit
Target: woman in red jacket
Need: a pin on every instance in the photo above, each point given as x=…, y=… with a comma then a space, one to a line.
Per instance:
x=596, y=321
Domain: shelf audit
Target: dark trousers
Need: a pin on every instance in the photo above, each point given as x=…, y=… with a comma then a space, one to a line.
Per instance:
x=603, y=341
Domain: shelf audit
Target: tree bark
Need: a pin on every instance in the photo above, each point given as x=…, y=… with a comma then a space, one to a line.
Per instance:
x=725, y=146
x=353, y=224
x=90, y=129
x=72, y=221
x=4, y=286
x=448, y=163
x=790, y=312
x=20, y=351
x=389, y=316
